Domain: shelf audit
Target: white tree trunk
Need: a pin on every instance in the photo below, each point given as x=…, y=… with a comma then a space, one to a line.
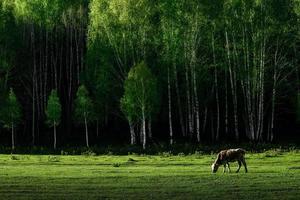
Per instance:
x=12, y=136
x=233, y=88
x=216, y=86
x=197, y=115
x=86, y=131
x=132, y=134
x=178, y=100
x=141, y=132
x=271, y=136
x=170, y=109
x=189, y=115
x=54, y=134
x=150, y=128
x=226, y=105
x=33, y=84
x=144, y=128
x=196, y=103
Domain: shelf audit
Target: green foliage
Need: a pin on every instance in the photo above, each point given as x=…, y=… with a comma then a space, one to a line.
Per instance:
x=98, y=79
x=170, y=35
x=49, y=13
x=126, y=27
x=11, y=111
x=140, y=93
x=83, y=107
x=53, y=110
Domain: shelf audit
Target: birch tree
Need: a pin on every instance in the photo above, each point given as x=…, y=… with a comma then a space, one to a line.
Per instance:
x=53, y=113
x=139, y=98
x=11, y=115
x=83, y=110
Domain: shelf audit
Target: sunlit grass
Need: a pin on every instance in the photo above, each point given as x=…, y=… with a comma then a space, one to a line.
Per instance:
x=272, y=175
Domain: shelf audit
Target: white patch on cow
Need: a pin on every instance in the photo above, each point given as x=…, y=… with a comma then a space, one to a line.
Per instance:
x=213, y=167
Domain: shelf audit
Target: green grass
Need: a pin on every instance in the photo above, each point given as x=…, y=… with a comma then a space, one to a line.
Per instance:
x=272, y=175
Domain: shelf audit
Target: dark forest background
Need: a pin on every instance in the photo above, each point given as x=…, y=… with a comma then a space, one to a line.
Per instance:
x=138, y=71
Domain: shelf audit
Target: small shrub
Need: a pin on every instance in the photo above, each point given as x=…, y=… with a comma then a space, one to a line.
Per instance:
x=181, y=154
x=13, y=157
x=62, y=152
x=293, y=149
x=199, y=153
x=88, y=153
x=116, y=164
x=166, y=154
x=273, y=153
x=53, y=159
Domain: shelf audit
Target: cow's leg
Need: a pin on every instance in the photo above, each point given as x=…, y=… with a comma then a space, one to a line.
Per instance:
x=224, y=168
x=228, y=168
x=245, y=165
x=240, y=164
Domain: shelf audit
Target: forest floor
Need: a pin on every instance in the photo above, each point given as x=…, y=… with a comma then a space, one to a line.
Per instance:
x=272, y=175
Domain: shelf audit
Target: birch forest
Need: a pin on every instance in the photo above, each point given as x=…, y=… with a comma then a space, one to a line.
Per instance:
x=88, y=72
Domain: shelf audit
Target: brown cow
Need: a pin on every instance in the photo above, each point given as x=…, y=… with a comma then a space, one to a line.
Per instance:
x=230, y=155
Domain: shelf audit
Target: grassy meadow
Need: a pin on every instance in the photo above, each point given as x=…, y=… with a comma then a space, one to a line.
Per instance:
x=272, y=175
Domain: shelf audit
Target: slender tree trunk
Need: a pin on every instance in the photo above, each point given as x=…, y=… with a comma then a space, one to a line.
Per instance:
x=77, y=38
x=132, y=134
x=189, y=115
x=233, y=88
x=12, y=136
x=86, y=131
x=204, y=120
x=71, y=64
x=170, y=109
x=188, y=100
x=271, y=136
x=273, y=112
x=144, y=128
x=197, y=116
x=150, y=128
x=46, y=72
x=56, y=59
x=196, y=102
x=226, y=104
x=261, y=93
x=212, y=128
x=249, y=128
x=141, y=132
x=54, y=134
x=178, y=100
x=33, y=84
x=235, y=102
x=97, y=128
x=216, y=87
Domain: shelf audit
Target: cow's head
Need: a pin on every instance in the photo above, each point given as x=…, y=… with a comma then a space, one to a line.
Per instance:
x=214, y=167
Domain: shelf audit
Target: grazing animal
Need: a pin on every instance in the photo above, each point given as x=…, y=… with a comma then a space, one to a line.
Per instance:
x=230, y=155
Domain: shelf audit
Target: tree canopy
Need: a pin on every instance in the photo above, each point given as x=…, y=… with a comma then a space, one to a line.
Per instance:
x=205, y=71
